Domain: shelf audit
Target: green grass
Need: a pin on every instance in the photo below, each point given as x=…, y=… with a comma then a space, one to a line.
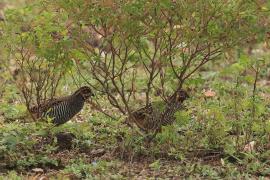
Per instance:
x=201, y=144
x=209, y=139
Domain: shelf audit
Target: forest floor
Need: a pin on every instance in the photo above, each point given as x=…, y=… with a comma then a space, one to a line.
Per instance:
x=196, y=147
x=216, y=136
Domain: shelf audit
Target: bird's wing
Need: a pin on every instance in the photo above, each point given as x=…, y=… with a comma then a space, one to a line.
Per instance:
x=142, y=112
x=47, y=105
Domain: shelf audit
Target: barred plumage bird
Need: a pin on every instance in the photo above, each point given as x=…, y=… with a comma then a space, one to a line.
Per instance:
x=174, y=104
x=145, y=117
x=150, y=119
x=63, y=109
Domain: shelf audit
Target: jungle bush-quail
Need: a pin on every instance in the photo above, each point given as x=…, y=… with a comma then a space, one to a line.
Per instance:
x=151, y=119
x=63, y=109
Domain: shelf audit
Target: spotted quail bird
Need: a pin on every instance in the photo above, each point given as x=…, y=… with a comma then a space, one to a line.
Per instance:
x=174, y=104
x=63, y=109
x=151, y=119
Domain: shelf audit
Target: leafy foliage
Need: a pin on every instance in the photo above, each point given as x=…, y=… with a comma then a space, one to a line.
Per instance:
x=133, y=53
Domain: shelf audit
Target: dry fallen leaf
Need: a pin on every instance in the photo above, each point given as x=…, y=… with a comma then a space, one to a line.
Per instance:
x=210, y=93
x=250, y=147
x=37, y=170
x=222, y=162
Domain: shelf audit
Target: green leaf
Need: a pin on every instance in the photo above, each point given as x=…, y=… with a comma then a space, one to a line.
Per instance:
x=155, y=165
x=182, y=117
x=166, y=3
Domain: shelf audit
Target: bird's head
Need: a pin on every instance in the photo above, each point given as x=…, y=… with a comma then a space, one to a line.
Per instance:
x=85, y=92
x=179, y=96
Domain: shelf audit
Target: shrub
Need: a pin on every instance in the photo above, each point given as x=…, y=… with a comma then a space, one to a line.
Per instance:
x=165, y=41
x=36, y=51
